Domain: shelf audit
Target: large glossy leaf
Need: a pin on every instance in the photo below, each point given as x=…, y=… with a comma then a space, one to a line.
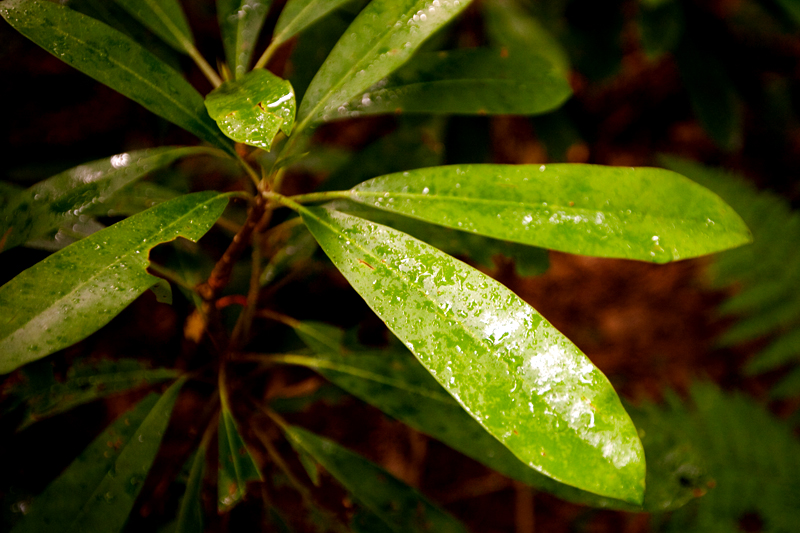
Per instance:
x=253, y=109
x=240, y=22
x=85, y=382
x=400, y=507
x=647, y=214
x=61, y=199
x=466, y=82
x=297, y=15
x=520, y=378
x=165, y=18
x=528, y=260
x=97, y=491
x=510, y=26
x=393, y=381
x=114, y=59
x=190, y=514
x=383, y=37
x=236, y=465
x=76, y=291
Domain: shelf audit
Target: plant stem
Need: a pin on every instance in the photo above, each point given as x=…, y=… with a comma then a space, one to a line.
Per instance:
x=250, y=172
x=200, y=61
x=319, y=196
x=267, y=55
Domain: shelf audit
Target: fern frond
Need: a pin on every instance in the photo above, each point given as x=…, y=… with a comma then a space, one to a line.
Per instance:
x=767, y=272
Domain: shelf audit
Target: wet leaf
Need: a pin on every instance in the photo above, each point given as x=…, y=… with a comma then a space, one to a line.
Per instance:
x=190, y=514
x=511, y=27
x=399, y=506
x=297, y=15
x=520, y=378
x=647, y=214
x=240, y=22
x=383, y=37
x=63, y=198
x=133, y=199
x=74, y=292
x=165, y=18
x=466, y=82
x=85, y=382
x=236, y=465
x=115, y=60
x=97, y=491
x=253, y=109
x=396, y=383
x=528, y=260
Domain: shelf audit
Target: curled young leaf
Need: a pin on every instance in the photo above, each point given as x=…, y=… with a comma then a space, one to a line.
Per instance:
x=512, y=371
x=74, y=292
x=253, y=109
x=240, y=22
x=648, y=214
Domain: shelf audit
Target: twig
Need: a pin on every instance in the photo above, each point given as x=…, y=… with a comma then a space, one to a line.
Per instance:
x=524, y=517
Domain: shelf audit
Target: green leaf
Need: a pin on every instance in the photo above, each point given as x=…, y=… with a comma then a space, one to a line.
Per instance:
x=236, y=465
x=165, y=18
x=466, y=82
x=115, y=60
x=521, y=379
x=240, y=22
x=528, y=260
x=97, y=491
x=383, y=37
x=298, y=246
x=190, y=514
x=85, y=382
x=253, y=109
x=61, y=199
x=297, y=15
x=74, y=292
x=510, y=26
x=647, y=214
x=400, y=507
x=133, y=199
x=660, y=27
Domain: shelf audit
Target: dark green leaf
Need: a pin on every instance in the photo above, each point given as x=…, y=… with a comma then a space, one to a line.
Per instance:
x=76, y=291
x=134, y=199
x=190, y=514
x=253, y=109
x=661, y=27
x=165, y=18
x=236, y=465
x=240, y=22
x=521, y=379
x=85, y=382
x=296, y=247
x=297, y=15
x=383, y=37
x=97, y=491
x=714, y=98
x=115, y=60
x=61, y=199
x=647, y=214
x=528, y=260
x=403, y=509
x=466, y=82
x=510, y=26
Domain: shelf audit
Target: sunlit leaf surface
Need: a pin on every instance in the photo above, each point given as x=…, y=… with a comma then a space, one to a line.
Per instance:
x=85, y=382
x=240, y=22
x=98, y=490
x=236, y=465
x=383, y=37
x=253, y=109
x=297, y=15
x=400, y=507
x=520, y=378
x=165, y=18
x=466, y=82
x=61, y=199
x=647, y=214
x=76, y=291
x=115, y=60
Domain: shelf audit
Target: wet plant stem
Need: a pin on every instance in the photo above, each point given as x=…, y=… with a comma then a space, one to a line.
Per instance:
x=210, y=74
x=267, y=55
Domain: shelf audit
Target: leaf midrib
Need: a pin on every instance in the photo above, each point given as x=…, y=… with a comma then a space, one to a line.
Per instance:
x=103, y=271
x=147, y=82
